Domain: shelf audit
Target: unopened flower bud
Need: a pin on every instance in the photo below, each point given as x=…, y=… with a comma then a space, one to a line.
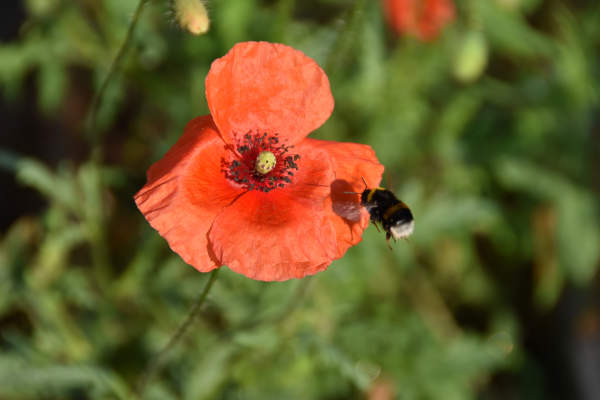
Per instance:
x=471, y=57
x=192, y=16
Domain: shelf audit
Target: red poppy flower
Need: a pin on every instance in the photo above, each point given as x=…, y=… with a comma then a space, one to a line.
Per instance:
x=244, y=187
x=421, y=18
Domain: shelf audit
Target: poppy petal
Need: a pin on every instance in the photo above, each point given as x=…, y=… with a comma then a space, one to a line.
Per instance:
x=283, y=234
x=267, y=87
x=351, y=162
x=186, y=190
x=436, y=14
x=421, y=18
x=401, y=15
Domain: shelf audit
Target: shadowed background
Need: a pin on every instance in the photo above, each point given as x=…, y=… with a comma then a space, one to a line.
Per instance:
x=489, y=132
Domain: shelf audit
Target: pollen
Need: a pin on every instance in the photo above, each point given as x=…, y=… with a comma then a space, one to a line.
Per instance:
x=261, y=162
x=265, y=162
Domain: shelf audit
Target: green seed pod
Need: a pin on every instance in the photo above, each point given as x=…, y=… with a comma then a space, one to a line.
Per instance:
x=471, y=57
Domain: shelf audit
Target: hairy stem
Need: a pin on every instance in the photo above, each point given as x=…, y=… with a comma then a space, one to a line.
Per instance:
x=158, y=360
x=99, y=246
x=97, y=101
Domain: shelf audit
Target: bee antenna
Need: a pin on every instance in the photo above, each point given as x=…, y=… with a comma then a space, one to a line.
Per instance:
x=364, y=181
x=351, y=193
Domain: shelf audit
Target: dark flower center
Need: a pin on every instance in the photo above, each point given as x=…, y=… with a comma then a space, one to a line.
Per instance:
x=260, y=162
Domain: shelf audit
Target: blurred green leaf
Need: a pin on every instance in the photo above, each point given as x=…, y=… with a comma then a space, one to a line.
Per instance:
x=209, y=373
x=20, y=379
x=57, y=187
x=52, y=83
x=578, y=234
x=509, y=32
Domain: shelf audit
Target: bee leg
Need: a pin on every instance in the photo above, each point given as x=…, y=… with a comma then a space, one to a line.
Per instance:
x=387, y=239
x=375, y=223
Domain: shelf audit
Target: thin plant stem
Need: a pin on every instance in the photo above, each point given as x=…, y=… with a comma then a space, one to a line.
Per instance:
x=99, y=247
x=158, y=360
x=97, y=101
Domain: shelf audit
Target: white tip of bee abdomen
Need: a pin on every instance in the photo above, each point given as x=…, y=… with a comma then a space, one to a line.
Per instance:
x=402, y=229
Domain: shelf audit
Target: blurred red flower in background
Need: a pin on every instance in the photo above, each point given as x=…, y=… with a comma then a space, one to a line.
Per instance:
x=421, y=18
x=244, y=187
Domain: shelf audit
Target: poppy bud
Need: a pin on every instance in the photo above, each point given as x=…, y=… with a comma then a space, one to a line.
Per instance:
x=192, y=16
x=471, y=57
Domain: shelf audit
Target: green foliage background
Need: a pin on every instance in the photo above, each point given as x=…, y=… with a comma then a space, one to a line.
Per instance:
x=490, y=133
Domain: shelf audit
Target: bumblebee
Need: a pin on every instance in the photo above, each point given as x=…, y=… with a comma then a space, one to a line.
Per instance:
x=384, y=207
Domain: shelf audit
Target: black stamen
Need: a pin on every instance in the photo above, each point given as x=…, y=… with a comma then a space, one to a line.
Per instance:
x=243, y=171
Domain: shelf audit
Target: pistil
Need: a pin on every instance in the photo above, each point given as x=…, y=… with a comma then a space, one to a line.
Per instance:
x=260, y=162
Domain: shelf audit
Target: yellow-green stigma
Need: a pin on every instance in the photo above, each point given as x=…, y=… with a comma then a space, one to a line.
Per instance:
x=265, y=162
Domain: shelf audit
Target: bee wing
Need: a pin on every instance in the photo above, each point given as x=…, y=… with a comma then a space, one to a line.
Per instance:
x=345, y=201
x=349, y=210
